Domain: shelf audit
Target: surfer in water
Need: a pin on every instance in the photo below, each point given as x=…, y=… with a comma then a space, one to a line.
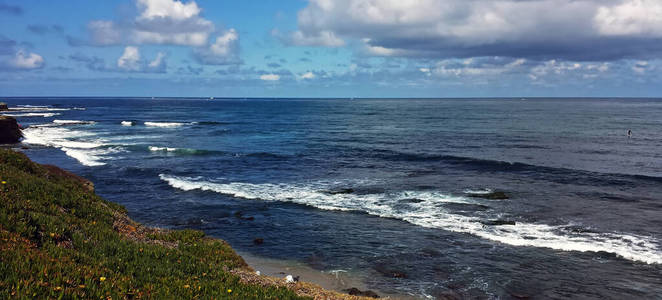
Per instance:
x=629, y=133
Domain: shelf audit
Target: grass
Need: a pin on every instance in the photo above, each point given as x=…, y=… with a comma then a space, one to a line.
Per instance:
x=60, y=240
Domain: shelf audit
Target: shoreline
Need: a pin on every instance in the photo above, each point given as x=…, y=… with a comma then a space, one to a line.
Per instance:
x=89, y=245
x=335, y=280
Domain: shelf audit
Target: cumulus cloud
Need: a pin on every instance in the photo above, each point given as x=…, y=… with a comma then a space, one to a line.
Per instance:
x=132, y=62
x=23, y=60
x=534, y=29
x=168, y=22
x=270, y=77
x=224, y=50
x=307, y=75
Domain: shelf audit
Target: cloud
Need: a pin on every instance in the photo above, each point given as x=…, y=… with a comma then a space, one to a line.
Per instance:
x=224, y=51
x=534, y=29
x=93, y=63
x=23, y=60
x=44, y=29
x=307, y=75
x=11, y=9
x=270, y=77
x=132, y=62
x=130, y=59
x=104, y=33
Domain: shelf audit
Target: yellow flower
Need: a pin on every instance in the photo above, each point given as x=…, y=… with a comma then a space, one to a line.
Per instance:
x=229, y=291
x=57, y=288
x=52, y=234
x=4, y=182
x=102, y=279
x=186, y=286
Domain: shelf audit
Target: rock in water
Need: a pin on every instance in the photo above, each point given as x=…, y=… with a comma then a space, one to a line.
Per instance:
x=3, y=106
x=356, y=292
x=10, y=133
x=258, y=241
x=497, y=195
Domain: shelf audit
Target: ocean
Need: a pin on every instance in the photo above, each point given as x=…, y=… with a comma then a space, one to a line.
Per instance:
x=398, y=192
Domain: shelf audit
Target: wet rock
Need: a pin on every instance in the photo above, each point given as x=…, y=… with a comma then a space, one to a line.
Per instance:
x=258, y=241
x=498, y=222
x=411, y=200
x=367, y=293
x=339, y=191
x=496, y=195
x=240, y=215
x=10, y=132
x=390, y=272
x=3, y=106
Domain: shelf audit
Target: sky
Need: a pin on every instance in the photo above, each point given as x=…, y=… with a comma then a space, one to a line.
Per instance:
x=331, y=48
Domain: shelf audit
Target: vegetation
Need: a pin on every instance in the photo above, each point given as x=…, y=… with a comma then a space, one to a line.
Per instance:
x=60, y=240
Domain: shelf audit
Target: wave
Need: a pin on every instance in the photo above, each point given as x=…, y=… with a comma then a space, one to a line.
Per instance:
x=45, y=115
x=73, y=122
x=428, y=211
x=164, y=124
x=126, y=123
x=36, y=108
x=77, y=144
x=557, y=174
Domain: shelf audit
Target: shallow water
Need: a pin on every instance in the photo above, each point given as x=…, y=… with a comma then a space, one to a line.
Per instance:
x=381, y=187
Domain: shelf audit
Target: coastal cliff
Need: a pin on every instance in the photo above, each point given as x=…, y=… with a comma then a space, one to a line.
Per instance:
x=59, y=239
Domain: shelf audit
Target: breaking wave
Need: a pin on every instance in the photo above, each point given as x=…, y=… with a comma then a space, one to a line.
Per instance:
x=428, y=211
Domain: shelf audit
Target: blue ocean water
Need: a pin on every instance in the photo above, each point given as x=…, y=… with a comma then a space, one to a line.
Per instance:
x=384, y=186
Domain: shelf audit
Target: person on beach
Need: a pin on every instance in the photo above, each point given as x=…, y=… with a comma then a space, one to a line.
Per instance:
x=629, y=133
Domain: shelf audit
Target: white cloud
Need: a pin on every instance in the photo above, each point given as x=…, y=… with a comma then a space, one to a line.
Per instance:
x=270, y=77
x=130, y=60
x=640, y=67
x=26, y=61
x=224, y=50
x=536, y=29
x=307, y=75
x=168, y=9
x=630, y=17
x=322, y=38
x=225, y=43
x=159, y=61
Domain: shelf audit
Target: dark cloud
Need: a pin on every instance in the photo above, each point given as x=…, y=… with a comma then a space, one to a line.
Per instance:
x=7, y=46
x=45, y=29
x=11, y=9
x=93, y=63
x=588, y=30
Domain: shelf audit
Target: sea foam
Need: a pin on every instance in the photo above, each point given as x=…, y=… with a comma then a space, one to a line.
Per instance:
x=427, y=212
x=164, y=124
x=78, y=144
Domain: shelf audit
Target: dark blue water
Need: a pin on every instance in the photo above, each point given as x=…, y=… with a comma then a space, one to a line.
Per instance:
x=378, y=187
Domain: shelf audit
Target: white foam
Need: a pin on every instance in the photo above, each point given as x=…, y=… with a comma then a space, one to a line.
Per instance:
x=73, y=122
x=162, y=149
x=37, y=108
x=45, y=115
x=80, y=145
x=164, y=124
x=428, y=213
x=127, y=123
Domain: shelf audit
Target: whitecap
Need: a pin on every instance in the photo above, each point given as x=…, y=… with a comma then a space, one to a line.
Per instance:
x=45, y=115
x=162, y=149
x=164, y=124
x=73, y=122
x=127, y=123
x=78, y=144
x=427, y=213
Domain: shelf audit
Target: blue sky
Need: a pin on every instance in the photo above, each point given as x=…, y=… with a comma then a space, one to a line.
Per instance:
x=324, y=48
